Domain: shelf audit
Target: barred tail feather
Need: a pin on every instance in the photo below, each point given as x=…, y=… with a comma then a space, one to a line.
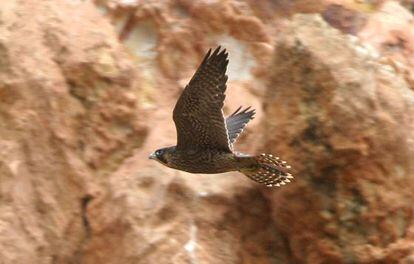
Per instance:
x=269, y=170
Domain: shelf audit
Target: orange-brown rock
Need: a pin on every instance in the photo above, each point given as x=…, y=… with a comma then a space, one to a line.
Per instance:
x=68, y=115
x=87, y=91
x=393, y=36
x=345, y=120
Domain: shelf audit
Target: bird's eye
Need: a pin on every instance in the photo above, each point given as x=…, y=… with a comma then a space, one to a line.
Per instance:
x=157, y=152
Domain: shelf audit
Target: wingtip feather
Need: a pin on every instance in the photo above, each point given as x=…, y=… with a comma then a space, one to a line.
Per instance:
x=237, y=111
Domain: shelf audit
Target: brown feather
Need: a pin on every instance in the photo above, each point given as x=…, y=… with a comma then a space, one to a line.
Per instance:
x=198, y=113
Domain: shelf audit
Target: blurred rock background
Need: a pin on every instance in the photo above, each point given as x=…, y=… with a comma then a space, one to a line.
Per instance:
x=87, y=91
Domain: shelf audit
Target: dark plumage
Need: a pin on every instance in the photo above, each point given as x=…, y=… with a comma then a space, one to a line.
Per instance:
x=205, y=139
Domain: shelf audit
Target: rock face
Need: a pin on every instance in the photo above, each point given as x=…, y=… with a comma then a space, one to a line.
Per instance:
x=68, y=115
x=393, y=37
x=346, y=121
x=87, y=91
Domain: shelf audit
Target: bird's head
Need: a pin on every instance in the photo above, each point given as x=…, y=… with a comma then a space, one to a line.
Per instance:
x=162, y=155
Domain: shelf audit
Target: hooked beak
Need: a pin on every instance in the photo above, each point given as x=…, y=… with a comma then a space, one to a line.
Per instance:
x=152, y=156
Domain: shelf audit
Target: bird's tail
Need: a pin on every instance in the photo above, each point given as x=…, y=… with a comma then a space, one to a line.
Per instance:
x=268, y=170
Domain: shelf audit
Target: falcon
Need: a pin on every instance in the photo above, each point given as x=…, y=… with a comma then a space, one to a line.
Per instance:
x=205, y=137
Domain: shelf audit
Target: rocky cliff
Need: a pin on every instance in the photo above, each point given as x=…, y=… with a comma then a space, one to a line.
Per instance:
x=87, y=91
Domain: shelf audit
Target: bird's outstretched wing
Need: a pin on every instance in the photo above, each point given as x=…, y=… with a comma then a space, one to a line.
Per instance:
x=198, y=114
x=237, y=121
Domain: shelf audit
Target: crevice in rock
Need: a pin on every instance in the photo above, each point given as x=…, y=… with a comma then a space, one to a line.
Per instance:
x=85, y=221
x=74, y=94
x=78, y=255
x=288, y=249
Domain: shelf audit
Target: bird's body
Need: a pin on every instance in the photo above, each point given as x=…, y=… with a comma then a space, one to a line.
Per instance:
x=202, y=161
x=205, y=138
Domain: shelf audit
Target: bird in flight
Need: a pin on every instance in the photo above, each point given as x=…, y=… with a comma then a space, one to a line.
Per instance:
x=205, y=138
